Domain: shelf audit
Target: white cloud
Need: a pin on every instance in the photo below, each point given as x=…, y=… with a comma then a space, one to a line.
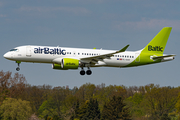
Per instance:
x=1, y=15
x=147, y=24
x=73, y=10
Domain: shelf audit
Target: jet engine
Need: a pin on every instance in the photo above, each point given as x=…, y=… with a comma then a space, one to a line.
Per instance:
x=67, y=63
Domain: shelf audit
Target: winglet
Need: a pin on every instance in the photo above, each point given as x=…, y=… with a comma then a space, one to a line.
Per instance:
x=123, y=49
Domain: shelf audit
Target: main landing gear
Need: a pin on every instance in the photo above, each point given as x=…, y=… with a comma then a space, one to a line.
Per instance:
x=18, y=68
x=88, y=72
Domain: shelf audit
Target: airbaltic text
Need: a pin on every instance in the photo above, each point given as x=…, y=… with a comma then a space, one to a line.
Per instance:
x=57, y=51
x=155, y=48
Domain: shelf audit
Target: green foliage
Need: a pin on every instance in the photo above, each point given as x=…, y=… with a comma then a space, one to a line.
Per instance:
x=102, y=93
x=135, y=105
x=56, y=117
x=76, y=110
x=91, y=101
x=178, y=103
x=81, y=111
x=159, y=101
x=115, y=109
x=48, y=108
x=92, y=111
x=14, y=109
x=88, y=111
x=165, y=117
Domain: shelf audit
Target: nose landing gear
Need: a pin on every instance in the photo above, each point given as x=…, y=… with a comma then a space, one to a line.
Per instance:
x=18, y=68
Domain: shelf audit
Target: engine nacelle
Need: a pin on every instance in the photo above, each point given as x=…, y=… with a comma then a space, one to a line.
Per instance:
x=69, y=63
x=167, y=59
x=58, y=67
x=66, y=63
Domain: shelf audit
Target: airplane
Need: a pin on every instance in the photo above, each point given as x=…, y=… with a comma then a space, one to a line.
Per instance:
x=63, y=58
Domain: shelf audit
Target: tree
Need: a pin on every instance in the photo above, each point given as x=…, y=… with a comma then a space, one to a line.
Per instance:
x=135, y=105
x=159, y=101
x=80, y=113
x=35, y=96
x=13, y=109
x=18, y=84
x=47, y=109
x=178, y=103
x=88, y=111
x=85, y=92
x=115, y=109
x=5, y=78
x=92, y=111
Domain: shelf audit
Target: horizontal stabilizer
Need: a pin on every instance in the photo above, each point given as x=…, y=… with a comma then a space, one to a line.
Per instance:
x=162, y=57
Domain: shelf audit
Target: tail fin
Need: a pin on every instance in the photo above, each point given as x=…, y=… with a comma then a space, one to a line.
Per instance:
x=158, y=43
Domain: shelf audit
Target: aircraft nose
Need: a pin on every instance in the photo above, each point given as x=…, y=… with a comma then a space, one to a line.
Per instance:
x=7, y=55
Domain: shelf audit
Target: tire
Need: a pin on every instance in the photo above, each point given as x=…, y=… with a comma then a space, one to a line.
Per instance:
x=82, y=72
x=88, y=72
x=17, y=68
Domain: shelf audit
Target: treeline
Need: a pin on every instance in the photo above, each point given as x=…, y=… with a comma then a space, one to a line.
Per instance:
x=19, y=100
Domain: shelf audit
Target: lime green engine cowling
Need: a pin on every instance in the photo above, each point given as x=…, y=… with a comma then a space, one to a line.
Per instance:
x=67, y=63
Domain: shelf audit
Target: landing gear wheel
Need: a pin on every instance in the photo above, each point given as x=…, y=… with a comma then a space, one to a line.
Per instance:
x=17, y=68
x=82, y=72
x=88, y=72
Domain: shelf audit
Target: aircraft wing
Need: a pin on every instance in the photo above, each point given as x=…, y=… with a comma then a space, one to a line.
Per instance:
x=95, y=59
x=162, y=57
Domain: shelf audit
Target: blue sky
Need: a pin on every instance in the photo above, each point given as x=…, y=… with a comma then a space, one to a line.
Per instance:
x=106, y=24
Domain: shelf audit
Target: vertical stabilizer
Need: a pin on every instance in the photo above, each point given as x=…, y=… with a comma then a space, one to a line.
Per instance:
x=158, y=43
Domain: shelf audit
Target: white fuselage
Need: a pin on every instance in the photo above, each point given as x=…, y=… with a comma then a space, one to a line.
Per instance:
x=63, y=58
x=46, y=54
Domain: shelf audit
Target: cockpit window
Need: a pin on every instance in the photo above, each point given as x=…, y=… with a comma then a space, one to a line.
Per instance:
x=14, y=50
